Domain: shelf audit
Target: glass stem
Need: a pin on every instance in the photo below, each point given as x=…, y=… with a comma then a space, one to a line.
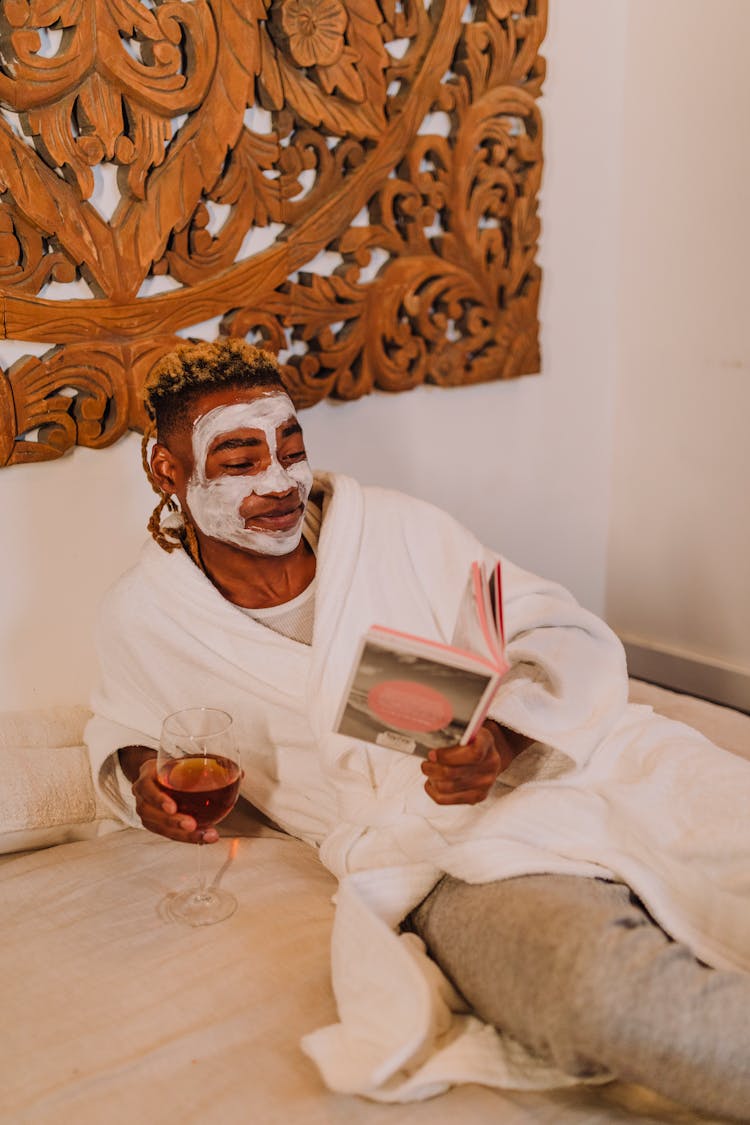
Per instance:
x=201, y=891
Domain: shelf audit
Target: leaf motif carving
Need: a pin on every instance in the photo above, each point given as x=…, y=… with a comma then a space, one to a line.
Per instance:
x=94, y=414
x=50, y=204
x=80, y=394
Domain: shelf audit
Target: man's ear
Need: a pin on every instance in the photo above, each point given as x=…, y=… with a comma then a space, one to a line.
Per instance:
x=166, y=469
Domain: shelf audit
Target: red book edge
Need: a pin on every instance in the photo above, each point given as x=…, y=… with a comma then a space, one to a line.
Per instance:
x=481, y=715
x=498, y=668
x=499, y=620
x=480, y=587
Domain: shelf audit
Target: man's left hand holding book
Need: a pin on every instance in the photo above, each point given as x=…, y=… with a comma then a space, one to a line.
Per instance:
x=464, y=775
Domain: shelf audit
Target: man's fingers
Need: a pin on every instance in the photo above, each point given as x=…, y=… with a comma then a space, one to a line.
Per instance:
x=159, y=813
x=487, y=767
x=155, y=819
x=467, y=755
x=460, y=784
x=464, y=797
x=463, y=775
x=171, y=833
x=182, y=829
x=149, y=792
x=475, y=751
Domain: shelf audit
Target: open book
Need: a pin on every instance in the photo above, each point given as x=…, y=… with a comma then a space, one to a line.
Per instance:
x=413, y=694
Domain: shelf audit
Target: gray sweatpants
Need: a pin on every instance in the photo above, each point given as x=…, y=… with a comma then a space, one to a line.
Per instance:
x=576, y=970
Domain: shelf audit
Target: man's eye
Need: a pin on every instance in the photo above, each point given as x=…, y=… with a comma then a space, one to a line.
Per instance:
x=291, y=458
x=237, y=466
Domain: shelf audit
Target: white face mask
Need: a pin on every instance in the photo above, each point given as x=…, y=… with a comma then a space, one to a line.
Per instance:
x=215, y=504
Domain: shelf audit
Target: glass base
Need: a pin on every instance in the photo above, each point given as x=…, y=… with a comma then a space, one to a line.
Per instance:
x=201, y=908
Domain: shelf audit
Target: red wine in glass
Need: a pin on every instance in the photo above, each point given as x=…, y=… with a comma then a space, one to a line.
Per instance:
x=202, y=786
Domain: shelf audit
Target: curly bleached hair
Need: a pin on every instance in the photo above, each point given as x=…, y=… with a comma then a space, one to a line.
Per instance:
x=172, y=388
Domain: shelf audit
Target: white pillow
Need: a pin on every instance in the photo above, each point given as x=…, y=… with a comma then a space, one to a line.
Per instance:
x=46, y=792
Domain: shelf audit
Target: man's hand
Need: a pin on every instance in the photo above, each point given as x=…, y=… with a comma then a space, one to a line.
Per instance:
x=159, y=814
x=464, y=775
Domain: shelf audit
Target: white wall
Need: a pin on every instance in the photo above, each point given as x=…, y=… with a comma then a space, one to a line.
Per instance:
x=525, y=464
x=680, y=516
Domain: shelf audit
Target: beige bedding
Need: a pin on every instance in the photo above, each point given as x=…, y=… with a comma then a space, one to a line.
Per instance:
x=112, y=1014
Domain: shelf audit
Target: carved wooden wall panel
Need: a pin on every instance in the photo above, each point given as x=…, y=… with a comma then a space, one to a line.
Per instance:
x=399, y=139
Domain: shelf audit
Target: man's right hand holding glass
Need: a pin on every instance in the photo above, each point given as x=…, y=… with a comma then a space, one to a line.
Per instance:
x=158, y=812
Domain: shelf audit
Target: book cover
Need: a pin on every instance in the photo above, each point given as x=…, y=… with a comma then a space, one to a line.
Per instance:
x=413, y=694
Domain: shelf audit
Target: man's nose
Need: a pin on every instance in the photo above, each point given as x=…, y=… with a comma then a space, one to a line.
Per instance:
x=277, y=482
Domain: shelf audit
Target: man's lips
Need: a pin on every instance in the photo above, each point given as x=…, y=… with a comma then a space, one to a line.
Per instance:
x=282, y=518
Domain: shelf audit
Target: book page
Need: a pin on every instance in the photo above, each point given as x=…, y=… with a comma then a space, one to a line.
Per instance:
x=468, y=633
x=479, y=624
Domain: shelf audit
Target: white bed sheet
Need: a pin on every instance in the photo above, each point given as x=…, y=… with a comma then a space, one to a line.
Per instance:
x=113, y=1014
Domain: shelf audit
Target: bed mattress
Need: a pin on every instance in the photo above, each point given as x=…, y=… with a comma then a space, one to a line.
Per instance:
x=112, y=1013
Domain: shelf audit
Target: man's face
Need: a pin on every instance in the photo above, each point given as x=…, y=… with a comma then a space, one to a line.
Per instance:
x=244, y=474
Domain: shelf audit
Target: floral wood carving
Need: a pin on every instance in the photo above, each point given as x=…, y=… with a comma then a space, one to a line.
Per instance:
x=351, y=183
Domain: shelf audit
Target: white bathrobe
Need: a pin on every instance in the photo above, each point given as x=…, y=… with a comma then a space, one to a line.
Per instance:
x=608, y=789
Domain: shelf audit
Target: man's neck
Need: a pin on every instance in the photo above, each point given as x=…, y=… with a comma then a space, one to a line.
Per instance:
x=257, y=581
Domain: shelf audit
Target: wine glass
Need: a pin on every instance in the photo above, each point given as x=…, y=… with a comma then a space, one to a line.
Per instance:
x=198, y=766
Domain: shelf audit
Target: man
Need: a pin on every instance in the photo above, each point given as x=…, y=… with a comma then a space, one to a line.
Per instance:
x=512, y=857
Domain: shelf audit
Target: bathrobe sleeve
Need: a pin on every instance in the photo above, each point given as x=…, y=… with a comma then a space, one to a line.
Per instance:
x=125, y=701
x=567, y=684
